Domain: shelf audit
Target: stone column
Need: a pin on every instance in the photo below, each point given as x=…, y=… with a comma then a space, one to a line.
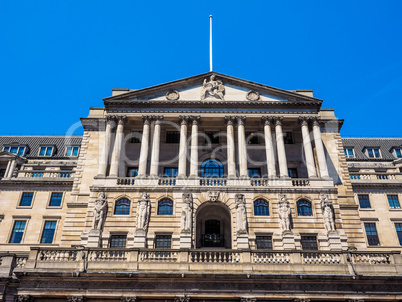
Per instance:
x=269, y=147
x=156, y=147
x=142, y=163
x=7, y=169
x=104, y=158
x=280, y=144
x=308, y=151
x=12, y=168
x=230, y=147
x=183, y=147
x=241, y=136
x=114, y=166
x=194, y=147
x=322, y=162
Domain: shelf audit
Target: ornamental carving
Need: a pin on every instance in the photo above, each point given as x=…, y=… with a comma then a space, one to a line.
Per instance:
x=22, y=298
x=252, y=95
x=213, y=88
x=248, y=300
x=172, y=95
x=75, y=299
x=128, y=299
x=182, y=299
x=213, y=196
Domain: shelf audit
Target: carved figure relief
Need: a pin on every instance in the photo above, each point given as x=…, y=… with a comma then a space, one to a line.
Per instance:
x=328, y=213
x=187, y=213
x=100, y=212
x=213, y=88
x=252, y=95
x=172, y=95
x=284, y=213
x=213, y=196
x=143, y=211
x=241, y=214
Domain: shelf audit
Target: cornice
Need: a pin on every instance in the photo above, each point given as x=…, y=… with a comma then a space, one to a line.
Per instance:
x=35, y=183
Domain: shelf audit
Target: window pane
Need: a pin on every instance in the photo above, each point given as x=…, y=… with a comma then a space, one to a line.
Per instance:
x=14, y=150
x=364, y=201
x=26, y=199
x=42, y=151
x=55, y=199
x=263, y=242
x=163, y=242
x=7, y=149
x=309, y=242
x=118, y=241
x=21, y=151
x=122, y=207
x=393, y=202
x=254, y=172
x=377, y=153
x=49, y=151
x=211, y=168
x=48, y=232
x=68, y=152
x=261, y=208
x=292, y=172
x=304, y=208
x=371, y=232
x=170, y=172
x=18, y=232
x=165, y=207
x=398, y=153
x=172, y=137
x=398, y=227
x=75, y=151
x=132, y=172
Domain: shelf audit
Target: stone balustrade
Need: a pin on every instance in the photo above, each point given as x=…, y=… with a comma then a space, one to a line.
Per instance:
x=45, y=174
x=375, y=176
x=187, y=260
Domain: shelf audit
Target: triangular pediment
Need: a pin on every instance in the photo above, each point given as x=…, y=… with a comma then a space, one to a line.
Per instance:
x=212, y=87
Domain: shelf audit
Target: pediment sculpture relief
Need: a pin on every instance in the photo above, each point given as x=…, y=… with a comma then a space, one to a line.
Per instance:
x=213, y=88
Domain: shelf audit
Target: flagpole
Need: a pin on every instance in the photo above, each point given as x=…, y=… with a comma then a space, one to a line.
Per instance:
x=210, y=42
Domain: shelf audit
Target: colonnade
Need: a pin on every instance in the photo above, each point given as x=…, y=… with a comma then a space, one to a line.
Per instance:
x=271, y=123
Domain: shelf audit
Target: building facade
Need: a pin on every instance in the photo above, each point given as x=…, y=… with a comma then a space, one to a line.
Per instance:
x=209, y=188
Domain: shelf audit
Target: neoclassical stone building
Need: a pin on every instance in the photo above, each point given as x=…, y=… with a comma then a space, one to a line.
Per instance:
x=209, y=188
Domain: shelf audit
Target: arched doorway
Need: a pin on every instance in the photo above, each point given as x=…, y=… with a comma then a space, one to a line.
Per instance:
x=213, y=227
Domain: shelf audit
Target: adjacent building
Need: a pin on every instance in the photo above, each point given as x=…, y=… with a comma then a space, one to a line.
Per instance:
x=209, y=188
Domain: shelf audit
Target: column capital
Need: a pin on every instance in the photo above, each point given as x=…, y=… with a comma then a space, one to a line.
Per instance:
x=195, y=119
x=184, y=119
x=147, y=119
x=277, y=120
x=121, y=119
x=241, y=119
x=316, y=121
x=267, y=120
x=229, y=119
x=303, y=121
x=157, y=119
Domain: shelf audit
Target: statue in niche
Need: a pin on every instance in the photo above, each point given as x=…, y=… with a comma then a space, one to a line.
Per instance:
x=284, y=213
x=213, y=88
x=187, y=213
x=143, y=211
x=100, y=212
x=241, y=214
x=328, y=213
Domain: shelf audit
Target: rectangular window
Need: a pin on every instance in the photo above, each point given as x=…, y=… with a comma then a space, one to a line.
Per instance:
x=18, y=150
x=172, y=137
x=211, y=137
x=254, y=172
x=252, y=138
x=293, y=173
x=132, y=171
x=263, y=242
x=72, y=151
x=373, y=152
x=118, y=241
x=288, y=138
x=48, y=232
x=398, y=227
x=309, y=243
x=163, y=241
x=26, y=199
x=364, y=201
x=45, y=151
x=349, y=152
x=170, y=172
x=18, y=231
x=55, y=199
x=398, y=152
x=136, y=137
x=371, y=233
x=393, y=201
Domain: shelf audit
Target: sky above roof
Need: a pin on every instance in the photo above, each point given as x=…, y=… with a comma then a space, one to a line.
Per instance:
x=58, y=58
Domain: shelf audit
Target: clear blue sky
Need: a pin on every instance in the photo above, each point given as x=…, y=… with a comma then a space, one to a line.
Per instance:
x=58, y=58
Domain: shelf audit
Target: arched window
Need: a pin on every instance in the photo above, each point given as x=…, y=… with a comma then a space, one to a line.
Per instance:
x=211, y=168
x=165, y=207
x=261, y=207
x=304, y=208
x=122, y=207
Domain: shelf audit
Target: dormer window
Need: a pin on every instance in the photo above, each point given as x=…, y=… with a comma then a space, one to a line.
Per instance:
x=46, y=151
x=15, y=149
x=373, y=152
x=397, y=152
x=72, y=151
x=349, y=152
